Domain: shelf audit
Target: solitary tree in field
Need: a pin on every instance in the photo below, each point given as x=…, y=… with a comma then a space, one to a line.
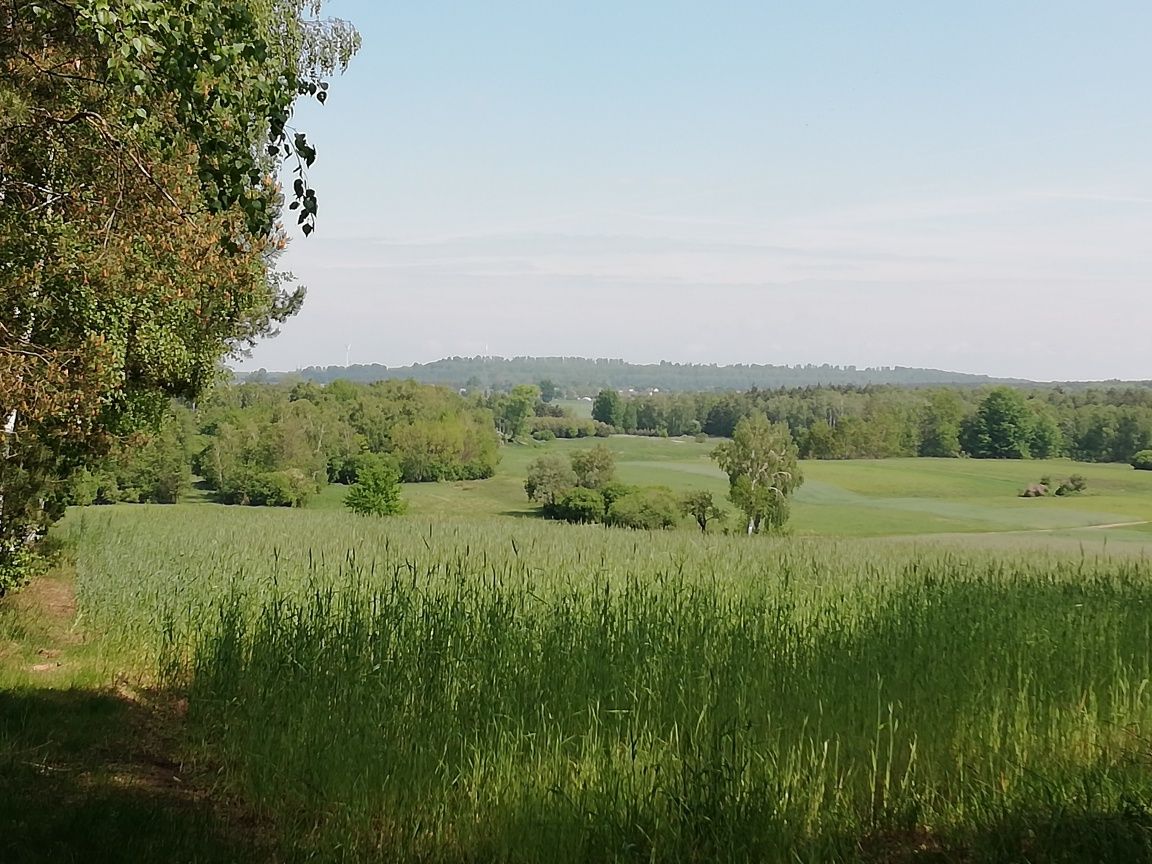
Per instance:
x=761, y=462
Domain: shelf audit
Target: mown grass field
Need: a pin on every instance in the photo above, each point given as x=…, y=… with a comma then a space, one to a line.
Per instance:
x=858, y=498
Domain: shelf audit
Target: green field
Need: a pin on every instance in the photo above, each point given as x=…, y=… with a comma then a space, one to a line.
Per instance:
x=928, y=669
x=859, y=498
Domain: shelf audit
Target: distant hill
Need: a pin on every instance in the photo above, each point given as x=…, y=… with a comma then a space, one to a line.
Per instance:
x=584, y=376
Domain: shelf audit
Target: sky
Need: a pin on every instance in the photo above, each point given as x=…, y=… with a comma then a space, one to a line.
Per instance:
x=965, y=186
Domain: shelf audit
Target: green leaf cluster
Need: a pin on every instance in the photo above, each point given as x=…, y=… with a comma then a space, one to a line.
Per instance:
x=140, y=146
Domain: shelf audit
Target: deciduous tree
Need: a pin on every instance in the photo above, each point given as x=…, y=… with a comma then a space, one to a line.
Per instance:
x=607, y=408
x=549, y=479
x=700, y=506
x=376, y=491
x=595, y=467
x=763, y=471
x=140, y=142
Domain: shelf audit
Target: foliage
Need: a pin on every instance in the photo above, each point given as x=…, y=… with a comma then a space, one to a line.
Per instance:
x=1142, y=461
x=140, y=144
x=270, y=454
x=595, y=467
x=376, y=491
x=648, y=509
x=513, y=409
x=18, y=561
x=329, y=433
x=568, y=427
x=581, y=505
x=1046, y=440
x=940, y=420
x=1073, y=485
x=588, y=375
x=549, y=479
x=1002, y=427
x=432, y=450
x=146, y=468
x=288, y=487
x=607, y=409
x=763, y=471
x=700, y=506
x=548, y=389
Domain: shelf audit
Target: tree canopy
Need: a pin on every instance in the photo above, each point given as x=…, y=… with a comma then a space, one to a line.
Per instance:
x=761, y=462
x=140, y=146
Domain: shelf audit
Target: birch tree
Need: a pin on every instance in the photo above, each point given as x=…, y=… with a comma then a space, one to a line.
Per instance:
x=763, y=470
x=140, y=215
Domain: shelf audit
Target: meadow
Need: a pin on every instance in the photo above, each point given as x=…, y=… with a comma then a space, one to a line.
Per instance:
x=919, y=498
x=469, y=684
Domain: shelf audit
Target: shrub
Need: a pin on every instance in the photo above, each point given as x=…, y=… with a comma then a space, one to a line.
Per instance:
x=17, y=565
x=1073, y=485
x=700, y=506
x=645, y=509
x=614, y=491
x=581, y=505
x=1142, y=461
x=567, y=427
x=544, y=435
x=288, y=488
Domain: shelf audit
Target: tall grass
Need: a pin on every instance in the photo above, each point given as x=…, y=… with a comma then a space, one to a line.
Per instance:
x=426, y=691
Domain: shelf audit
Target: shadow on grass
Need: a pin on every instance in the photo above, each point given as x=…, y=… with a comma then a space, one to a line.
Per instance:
x=201, y=492
x=522, y=514
x=83, y=778
x=1120, y=837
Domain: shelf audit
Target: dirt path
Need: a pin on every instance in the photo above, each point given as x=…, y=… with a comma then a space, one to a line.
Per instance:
x=92, y=770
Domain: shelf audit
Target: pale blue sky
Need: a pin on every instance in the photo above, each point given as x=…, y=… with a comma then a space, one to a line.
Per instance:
x=963, y=185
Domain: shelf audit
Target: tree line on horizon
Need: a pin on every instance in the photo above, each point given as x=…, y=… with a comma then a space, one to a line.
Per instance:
x=584, y=376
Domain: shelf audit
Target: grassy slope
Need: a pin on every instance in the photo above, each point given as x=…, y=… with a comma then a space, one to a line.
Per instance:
x=853, y=498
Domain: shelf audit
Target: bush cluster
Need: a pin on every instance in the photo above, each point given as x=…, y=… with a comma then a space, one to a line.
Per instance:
x=1074, y=485
x=583, y=489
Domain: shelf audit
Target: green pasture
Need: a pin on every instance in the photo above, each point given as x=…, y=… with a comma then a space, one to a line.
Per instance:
x=856, y=498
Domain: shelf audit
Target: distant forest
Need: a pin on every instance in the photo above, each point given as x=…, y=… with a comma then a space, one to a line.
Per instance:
x=582, y=376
